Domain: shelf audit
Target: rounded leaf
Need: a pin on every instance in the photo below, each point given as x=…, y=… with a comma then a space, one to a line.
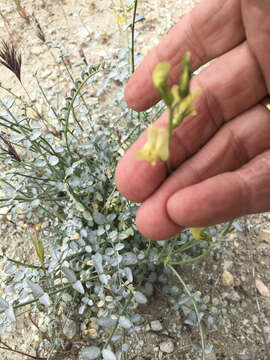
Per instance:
x=53, y=160
x=140, y=298
x=90, y=352
x=108, y=355
x=3, y=303
x=36, y=289
x=124, y=322
x=78, y=287
x=70, y=275
x=45, y=300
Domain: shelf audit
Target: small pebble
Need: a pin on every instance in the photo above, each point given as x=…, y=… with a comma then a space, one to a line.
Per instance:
x=227, y=278
x=37, y=50
x=262, y=289
x=264, y=236
x=167, y=346
x=234, y=296
x=156, y=325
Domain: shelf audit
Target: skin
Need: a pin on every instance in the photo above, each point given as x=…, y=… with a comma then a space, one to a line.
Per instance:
x=221, y=157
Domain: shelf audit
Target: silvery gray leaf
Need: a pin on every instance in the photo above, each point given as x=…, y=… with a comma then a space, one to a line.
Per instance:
x=200, y=316
x=109, y=251
x=108, y=355
x=128, y=273
x=88, y=249
x=129, y=3
x=99, y=218
x=82, y=309
x=3, y=303
x=53, y=160
x=35, y=203
x=10, y=102
x=140, y=298
x=192, y=319
x=35, y=134
x=115, y=337
x=210, y=320
x=119, y=246
x=90, y=353
x=19, y=275
x=26, y=298
x=10, y=314
x=106, y=321
x=70, y=275
x=97, y=260
x=78, y=287
x=185, y=299
x=186, y=309
x=45, y=300
x=10, y=268
x=129, y=258
x=10, y=288
x=36, y=289
x=237, y=226
x=40, y=163
x=18, y=138
x=124, y=322
x=103, y=279
x=208, y=350
x=139, y=18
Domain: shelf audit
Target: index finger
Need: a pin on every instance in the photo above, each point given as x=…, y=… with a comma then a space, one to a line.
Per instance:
x=212, y=28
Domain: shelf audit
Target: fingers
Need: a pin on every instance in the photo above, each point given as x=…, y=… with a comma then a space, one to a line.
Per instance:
x=178, y=201
x=211, y=29
x=227, y=91
x=256, y=14
x=225, y=196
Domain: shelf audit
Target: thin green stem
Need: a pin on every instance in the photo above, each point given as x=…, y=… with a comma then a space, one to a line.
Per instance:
x=19, y=263
x=195, y=307
x=70, y=106
x=184, y=246
x=11, y=93
x=170, y=131
x=195, y=259
x=36, y=300
x=133, y=37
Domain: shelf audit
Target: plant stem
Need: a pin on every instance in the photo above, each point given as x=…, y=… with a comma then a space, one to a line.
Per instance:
x=170, y=131
x=6, y=347
x=133, y=37
x=197, y=258
x=194, y=304
x=21, y=263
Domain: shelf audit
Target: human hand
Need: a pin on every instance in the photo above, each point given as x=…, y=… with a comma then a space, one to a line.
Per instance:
x=221, y=157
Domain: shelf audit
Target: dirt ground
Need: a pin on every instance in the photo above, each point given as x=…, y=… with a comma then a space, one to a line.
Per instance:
x=89, y=26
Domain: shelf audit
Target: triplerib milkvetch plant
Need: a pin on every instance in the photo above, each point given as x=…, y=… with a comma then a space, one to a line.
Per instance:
x=180, y=104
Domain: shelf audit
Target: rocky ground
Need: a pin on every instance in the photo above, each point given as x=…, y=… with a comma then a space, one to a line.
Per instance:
x=240, y=277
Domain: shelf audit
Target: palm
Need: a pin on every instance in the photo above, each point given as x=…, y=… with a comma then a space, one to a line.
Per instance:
x=221, y=157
